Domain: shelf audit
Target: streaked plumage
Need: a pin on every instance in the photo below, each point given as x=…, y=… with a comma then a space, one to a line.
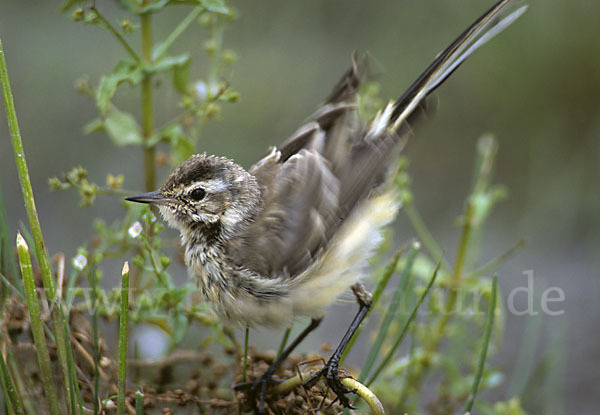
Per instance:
x=288, y=236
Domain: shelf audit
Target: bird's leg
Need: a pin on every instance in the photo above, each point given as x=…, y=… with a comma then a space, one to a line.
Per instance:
x=331, y=369
x=260, y=384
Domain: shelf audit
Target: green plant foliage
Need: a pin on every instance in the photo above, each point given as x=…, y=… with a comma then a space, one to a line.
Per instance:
x=423, y=338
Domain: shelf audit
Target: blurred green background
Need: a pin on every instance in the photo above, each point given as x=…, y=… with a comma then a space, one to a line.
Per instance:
x=536, y=88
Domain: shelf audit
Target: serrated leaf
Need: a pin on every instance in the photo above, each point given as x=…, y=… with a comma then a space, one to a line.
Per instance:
x=125, y=71
x=122, y=128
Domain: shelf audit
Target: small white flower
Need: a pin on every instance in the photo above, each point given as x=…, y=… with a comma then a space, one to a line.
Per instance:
x=135, y=229
x=79, y=262
x=203, y=91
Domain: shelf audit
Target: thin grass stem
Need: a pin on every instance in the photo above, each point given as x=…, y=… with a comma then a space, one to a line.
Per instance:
x=37, y=329
x=139, y=403
x=391, y=312
x=10, y=393
x=95, y=339
x=116, y=33
x=123, y=329
x=487, y=332
x=402, y=333
x=34, y=223
x=284, y=340
x=245, y=361
x=379, y=288
x=164, y=46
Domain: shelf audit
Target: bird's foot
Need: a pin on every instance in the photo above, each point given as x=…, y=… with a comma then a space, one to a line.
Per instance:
x=256, y=391
x=333, y=375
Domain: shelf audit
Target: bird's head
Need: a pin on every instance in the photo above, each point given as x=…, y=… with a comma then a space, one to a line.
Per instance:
x=206, y=191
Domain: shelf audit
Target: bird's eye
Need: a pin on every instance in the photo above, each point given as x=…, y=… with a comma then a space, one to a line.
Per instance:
x=198, y=194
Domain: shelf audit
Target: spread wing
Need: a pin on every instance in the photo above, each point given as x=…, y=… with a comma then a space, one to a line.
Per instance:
x=314, y=180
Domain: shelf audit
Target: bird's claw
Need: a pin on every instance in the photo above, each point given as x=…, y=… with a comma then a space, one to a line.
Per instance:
x=331, y=373
x=332, y=376
x=257, y=389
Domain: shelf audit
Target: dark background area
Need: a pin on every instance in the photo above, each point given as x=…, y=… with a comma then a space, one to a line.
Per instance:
x=536, y=88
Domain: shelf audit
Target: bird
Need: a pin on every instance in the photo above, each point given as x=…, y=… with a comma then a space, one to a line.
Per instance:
x=288, y=236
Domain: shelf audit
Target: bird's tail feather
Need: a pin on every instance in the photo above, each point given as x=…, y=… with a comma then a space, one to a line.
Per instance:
x=492, y=22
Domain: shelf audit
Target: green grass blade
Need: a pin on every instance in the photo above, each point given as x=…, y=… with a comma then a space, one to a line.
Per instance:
x=391, y=313
x=93, y=282
x=284, y=340
x=245, y=361
x=409, y=320
x=484, y=347
x=381, y=284
x=11, y=286
x=139, y=403
x=34, y=222
x=8, y=386
x=74, y=392
x=6, y=256
x=37, y=328
x=123, y=330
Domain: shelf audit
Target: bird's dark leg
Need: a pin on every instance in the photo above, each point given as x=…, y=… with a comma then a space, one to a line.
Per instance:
x=330, y=371
x=260, y=384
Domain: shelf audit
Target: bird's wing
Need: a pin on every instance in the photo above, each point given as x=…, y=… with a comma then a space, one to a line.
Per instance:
x=301, y=186
x=322, y=172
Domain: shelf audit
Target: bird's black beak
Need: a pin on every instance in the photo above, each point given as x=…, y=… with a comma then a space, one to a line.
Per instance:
x=155, y=197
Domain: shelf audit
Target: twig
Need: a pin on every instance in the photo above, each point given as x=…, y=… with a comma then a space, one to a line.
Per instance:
x=112, y=30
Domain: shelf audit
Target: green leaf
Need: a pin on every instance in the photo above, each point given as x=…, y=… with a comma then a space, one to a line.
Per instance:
x=216, y=6
x=67, y=4
x=170, y=62
x=181, y=77
x=180, y=327
x=181, y=146
x=93, y=126
x=153, y=6
x=125, y=71
x=120, y=126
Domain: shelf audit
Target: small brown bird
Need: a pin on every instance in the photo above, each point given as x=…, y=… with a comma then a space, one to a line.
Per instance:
x=291, y=234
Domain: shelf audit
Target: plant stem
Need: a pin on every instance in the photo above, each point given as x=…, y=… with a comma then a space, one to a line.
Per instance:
x=10, y=393
x=34, y=223
x=355, y=386
x=147, y=104
x=410, y=318
x=391, y=312
x=123, y=328
x=112, y=30
x=424, y=234
x=37, y=329
x=484, y=347
x=381, y=284
x=93, y=282
x=162, y=48
x=245, y=361
x=284, y=340
x=139, y=403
